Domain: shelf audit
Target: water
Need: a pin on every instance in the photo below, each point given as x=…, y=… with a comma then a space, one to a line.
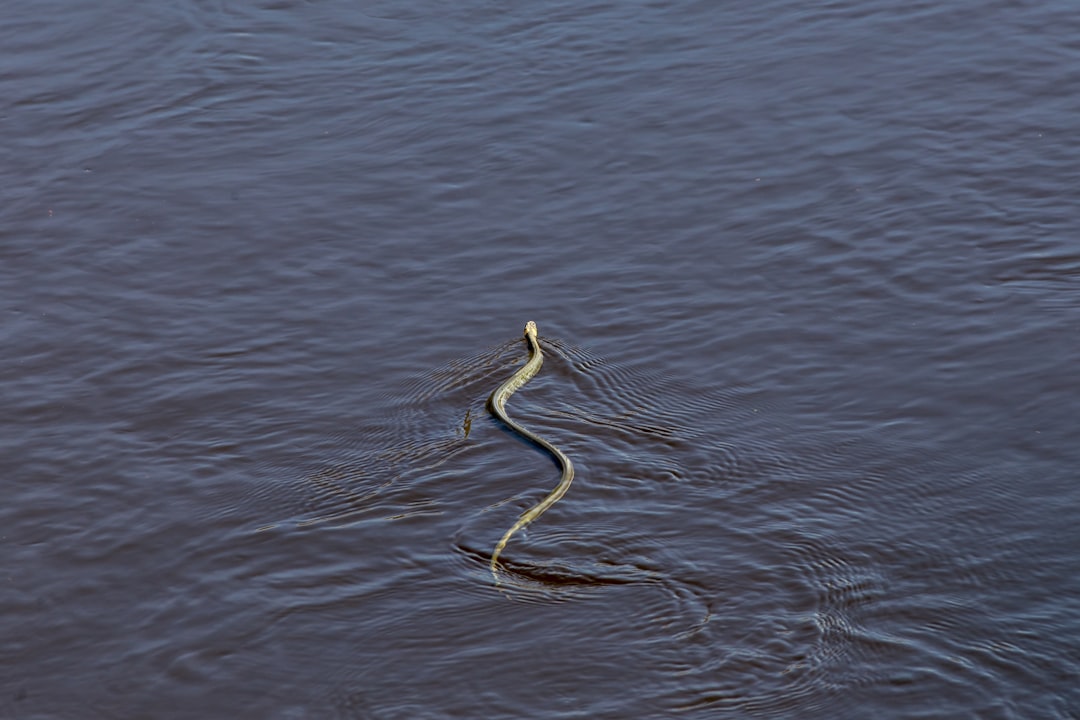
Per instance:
x=809, y=285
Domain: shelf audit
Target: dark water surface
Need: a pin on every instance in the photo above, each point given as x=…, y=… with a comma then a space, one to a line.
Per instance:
x=808, y=276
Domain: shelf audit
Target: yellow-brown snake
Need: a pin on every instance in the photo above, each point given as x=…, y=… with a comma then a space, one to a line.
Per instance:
x=497, y=406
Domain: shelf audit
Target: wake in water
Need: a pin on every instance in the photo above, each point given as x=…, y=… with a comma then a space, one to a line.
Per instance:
x=753, y=564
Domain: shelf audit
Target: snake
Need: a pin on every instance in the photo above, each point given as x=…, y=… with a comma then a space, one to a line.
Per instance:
x=497, y=406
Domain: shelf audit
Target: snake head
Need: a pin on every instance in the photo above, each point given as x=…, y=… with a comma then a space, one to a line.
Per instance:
x=530, y=329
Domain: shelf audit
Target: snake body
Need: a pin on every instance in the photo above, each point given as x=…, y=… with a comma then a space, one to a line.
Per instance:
x=497, y=406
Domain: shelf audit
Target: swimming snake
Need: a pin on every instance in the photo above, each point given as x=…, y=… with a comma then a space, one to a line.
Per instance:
x=497, y=406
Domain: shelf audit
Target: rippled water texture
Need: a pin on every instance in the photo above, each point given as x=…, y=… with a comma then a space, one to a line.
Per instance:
x=808, y=282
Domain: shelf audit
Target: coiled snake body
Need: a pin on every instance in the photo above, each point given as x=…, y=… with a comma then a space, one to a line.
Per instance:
x=497, y=406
